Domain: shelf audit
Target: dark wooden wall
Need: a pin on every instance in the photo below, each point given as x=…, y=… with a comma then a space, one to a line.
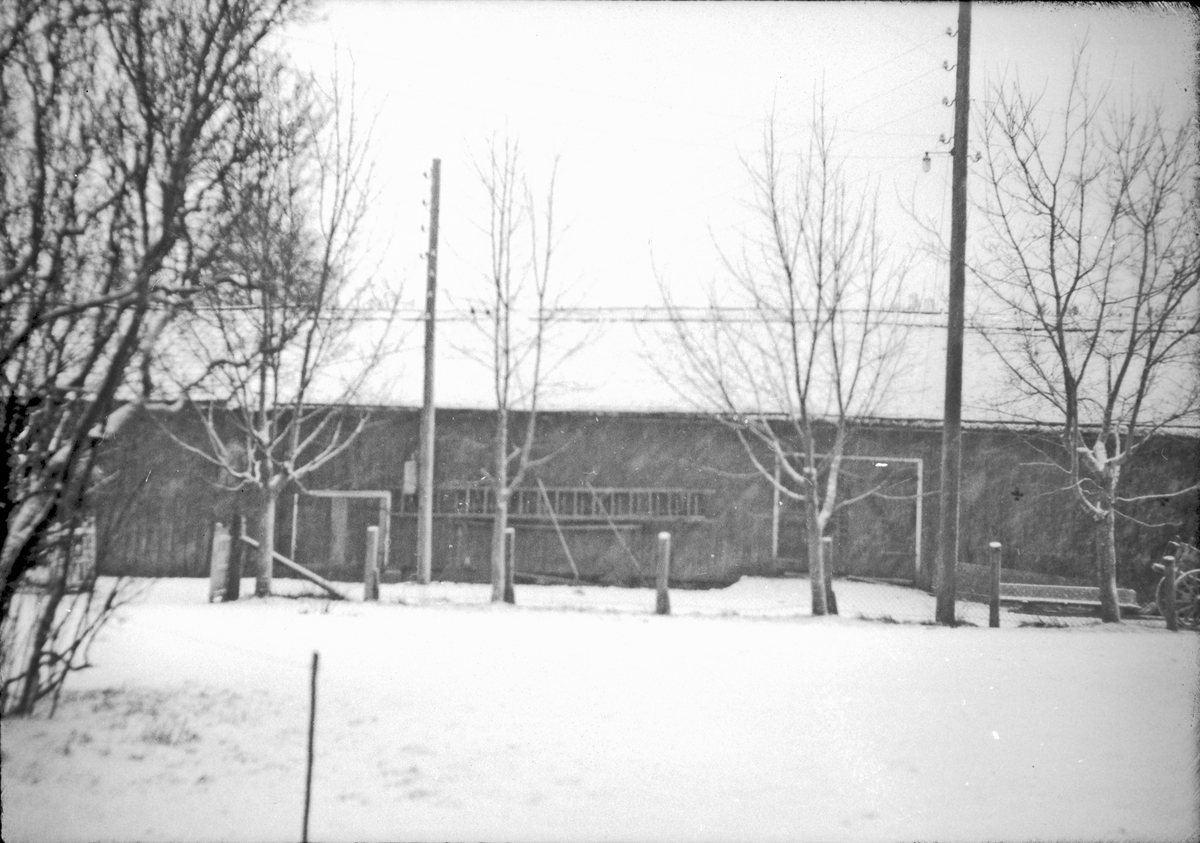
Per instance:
x=156, y=513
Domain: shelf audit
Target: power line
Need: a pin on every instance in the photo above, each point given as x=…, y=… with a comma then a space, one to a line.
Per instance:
x=886, y=62
x=896, y=88
x=650, y=314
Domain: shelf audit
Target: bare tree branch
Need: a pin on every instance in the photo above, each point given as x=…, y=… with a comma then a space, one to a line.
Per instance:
x=1092, y=245
x=819, y=349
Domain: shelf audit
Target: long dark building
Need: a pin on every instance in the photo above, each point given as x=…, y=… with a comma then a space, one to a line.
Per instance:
x=616, y=480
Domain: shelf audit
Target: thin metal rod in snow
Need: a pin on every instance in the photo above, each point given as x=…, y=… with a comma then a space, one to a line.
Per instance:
x=312, y=726
x=994, y=601
x=663, y=603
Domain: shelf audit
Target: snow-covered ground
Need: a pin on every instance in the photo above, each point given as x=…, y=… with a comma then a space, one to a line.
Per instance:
x=579, y=715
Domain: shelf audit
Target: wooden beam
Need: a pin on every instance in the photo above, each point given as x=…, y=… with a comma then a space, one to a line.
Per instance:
x=558, y=529
x=301, y=571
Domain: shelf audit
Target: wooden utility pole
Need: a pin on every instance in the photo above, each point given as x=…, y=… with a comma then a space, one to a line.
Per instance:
x=952, y=426
x=425, y=457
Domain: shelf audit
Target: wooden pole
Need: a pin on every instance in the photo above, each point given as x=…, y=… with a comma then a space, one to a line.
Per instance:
x=233, y=574
x=1171, y=610
x=952, y=421
x=776, y=501
x=371, y=566
x=920, y=516
x=994, y=602
x=662, y=604
x=218, y=564
x=827, y=552
x=426, y=451
x=510, y=563
x=385, y=533
x=312, y=728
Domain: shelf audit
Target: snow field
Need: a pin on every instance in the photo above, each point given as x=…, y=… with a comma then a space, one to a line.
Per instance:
x=578, y=715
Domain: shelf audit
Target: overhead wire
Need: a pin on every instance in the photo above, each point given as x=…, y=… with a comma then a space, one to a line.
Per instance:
x=885, y=62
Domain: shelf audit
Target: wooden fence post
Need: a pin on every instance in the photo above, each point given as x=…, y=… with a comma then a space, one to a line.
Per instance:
x=371, y=566
x=237, y=549
x=827, y=552
x=994, y=601
x=510, y=563
x=218, y=564
x=1170, y=610
x=662, y=604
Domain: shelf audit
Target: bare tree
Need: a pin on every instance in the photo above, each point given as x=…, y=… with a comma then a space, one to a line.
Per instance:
x=517, y=318
x=56, y=617
x=272, y=358
x=1092, y=253
x=803, y=341
x=120, y=125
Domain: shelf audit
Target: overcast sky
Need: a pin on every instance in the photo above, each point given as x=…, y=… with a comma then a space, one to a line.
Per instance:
x=651, y=105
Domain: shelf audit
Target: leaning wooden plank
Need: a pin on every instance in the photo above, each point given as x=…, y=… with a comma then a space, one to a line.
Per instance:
x=616, y=532
x=302, y=571
x=558, y=529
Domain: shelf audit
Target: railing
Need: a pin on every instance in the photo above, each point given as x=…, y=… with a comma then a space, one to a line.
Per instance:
x=578, y=503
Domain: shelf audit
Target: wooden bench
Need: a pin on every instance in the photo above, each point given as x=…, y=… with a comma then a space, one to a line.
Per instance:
x=1062, y=599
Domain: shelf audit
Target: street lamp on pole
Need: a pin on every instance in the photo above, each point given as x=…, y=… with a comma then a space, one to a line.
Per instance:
x=926, y=162
x=951, y=468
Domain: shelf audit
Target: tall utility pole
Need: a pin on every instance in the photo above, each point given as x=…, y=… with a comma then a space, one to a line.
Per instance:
x=425, y=459
x=952, y=426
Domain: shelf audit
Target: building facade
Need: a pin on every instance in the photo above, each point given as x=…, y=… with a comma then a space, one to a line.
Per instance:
x=616, y=480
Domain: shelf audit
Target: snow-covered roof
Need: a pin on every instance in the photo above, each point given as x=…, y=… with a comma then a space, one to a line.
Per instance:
x=628, y=365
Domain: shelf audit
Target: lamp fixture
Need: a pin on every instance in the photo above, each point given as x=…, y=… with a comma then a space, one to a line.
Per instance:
x=927, y=162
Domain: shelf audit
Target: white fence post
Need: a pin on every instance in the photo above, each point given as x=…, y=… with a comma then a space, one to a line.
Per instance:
x=994, y=602
x=662, y=604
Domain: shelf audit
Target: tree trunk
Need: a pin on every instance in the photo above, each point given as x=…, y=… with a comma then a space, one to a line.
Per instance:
x=47, y=612
x=21, y=527
x=1106, y=565
x=500, y=486
x=499, y=525
x=816, y=564
x=266, y=548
